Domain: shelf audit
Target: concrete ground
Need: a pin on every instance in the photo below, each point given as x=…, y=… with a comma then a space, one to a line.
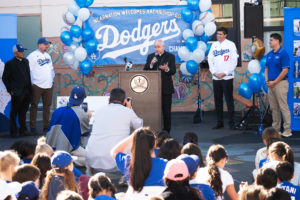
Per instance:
x=240, y=145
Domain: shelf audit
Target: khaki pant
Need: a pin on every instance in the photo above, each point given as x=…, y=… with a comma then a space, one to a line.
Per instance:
x=278, y=103
x=46, y=95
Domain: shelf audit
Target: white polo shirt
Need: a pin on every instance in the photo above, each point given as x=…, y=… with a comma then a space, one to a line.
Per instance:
x=41, y=69
x=222, y=58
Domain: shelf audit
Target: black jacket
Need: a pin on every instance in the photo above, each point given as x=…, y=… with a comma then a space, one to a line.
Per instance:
x=166, y=77
x=179, y=193
x=16, y=77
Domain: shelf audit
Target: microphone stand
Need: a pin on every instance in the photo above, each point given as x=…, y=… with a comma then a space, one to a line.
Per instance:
x=198, y=114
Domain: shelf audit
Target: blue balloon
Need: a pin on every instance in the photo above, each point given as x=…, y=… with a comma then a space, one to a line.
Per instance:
x=208, y=46
x=187, y=15
x=87, y=34
x=75, y=31
x=262, y=63
x=86, y=67
x=91, y=46
x=245, y=91
x=81, y=3
x=191, y=43
x=66, y=38
x=88, y=3
x=255, y=82
x=193, y=4
x=205, y=38
x=192, y=67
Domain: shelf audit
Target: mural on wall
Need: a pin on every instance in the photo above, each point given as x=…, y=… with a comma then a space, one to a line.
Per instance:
x=104, y=78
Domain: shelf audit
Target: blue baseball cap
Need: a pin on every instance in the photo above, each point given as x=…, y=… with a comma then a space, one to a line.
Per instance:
x=18, y=48
x=29, y=191
x=43, y=41
x=191, y=162
x=77, y=96
x=61, y=159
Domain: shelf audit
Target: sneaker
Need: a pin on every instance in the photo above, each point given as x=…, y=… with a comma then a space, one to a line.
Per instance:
x=287, y=134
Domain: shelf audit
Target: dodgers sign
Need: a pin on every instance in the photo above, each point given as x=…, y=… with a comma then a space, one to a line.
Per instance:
x=131, y=32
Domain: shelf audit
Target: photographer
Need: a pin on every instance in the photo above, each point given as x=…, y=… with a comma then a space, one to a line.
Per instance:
x=112, y=124
x=68, y=124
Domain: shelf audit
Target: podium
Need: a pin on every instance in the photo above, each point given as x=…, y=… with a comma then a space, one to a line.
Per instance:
x=144, y=87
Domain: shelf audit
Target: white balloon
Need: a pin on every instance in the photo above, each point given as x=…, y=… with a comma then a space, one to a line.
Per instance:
x=83, y=14
x=204, y=5
x=206, y=17
x=76, y=40
x=64, y=17
x=254, y=66
x=210, y=28
x=80, y=54
x=183, y=69
x=187, y=33
x=73, y=8
x=75, y=65
x=197, y=27
x=184, y=54
x=202, y=45
x=198, y=55
x=68, y=58
x=72, y=47
x=70, y=18
x=65, y=28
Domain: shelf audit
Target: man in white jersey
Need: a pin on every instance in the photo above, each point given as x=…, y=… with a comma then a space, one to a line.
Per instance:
x=222, y=60
x=42, y=78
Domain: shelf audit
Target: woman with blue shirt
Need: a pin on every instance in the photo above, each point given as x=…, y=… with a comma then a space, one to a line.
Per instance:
x=141, y=168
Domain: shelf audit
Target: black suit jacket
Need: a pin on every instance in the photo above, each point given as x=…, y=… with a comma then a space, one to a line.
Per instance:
x=166, y=77
x=16, y=77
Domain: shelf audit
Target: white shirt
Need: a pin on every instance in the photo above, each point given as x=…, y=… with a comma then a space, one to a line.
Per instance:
x=112, y=124
x=41, y=69
x=222, y=58
x=296, y=179
x=226, y=178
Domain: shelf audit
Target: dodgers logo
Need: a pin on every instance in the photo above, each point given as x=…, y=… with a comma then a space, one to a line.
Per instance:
x=43, y=62
x=221, y=52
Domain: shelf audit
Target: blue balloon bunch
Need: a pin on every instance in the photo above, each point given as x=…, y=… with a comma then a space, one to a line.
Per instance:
x=198, y=14
x=80, y=41
x=256, y=82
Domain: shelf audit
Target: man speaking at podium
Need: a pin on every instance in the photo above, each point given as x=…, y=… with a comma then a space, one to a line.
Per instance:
x=165, y=62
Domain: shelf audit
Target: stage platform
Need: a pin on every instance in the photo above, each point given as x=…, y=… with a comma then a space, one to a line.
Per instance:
x=240, y=145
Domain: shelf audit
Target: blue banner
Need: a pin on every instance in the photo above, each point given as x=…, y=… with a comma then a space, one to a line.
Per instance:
x=130, y=32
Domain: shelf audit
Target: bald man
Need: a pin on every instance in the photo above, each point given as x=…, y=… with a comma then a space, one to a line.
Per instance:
x=164, y=62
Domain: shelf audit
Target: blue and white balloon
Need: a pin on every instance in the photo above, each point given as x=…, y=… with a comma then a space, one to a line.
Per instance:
x=255, y=82
x=86, y=67
x=184, y=70
x=192, y=67
x=66, y=38
x=187, y=33
x=75, y=31
x=208, y=46
x=81, y=3
x=87, y=34
x=72, y=47
x=89, y=3
x=80, y=54
x=254, y=66
x=68, y=58
x=193, y=4
x=202, y=45
x=75, y=65
x=91, y=46
x=73, y=8
x=191, y=43
x=198, y=28
x=206, y=17
x=205, y=38
x=187, y=15
x=245, y=90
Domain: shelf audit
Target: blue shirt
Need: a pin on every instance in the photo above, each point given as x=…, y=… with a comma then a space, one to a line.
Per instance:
x=292, y=189
x=206, y=191
x=104, y=197
x=156, y=174
x=276, y=61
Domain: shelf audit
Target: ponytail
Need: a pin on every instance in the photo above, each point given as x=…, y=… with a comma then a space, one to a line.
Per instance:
x=283, y=152
x=214, y=155
x=141, y=162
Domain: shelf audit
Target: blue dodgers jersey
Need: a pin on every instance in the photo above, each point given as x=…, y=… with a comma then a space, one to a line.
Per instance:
x=292, y=189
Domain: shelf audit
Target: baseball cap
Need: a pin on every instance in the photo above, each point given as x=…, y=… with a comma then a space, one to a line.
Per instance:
x=7, y=189
x=43, y=40
x=29, y=191
x=191, y=162
x=176, y=170
x=18, y=48
x=61, y=159
x=77, y=96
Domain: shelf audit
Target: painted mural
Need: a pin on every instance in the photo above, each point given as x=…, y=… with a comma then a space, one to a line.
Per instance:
x=104, y=78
